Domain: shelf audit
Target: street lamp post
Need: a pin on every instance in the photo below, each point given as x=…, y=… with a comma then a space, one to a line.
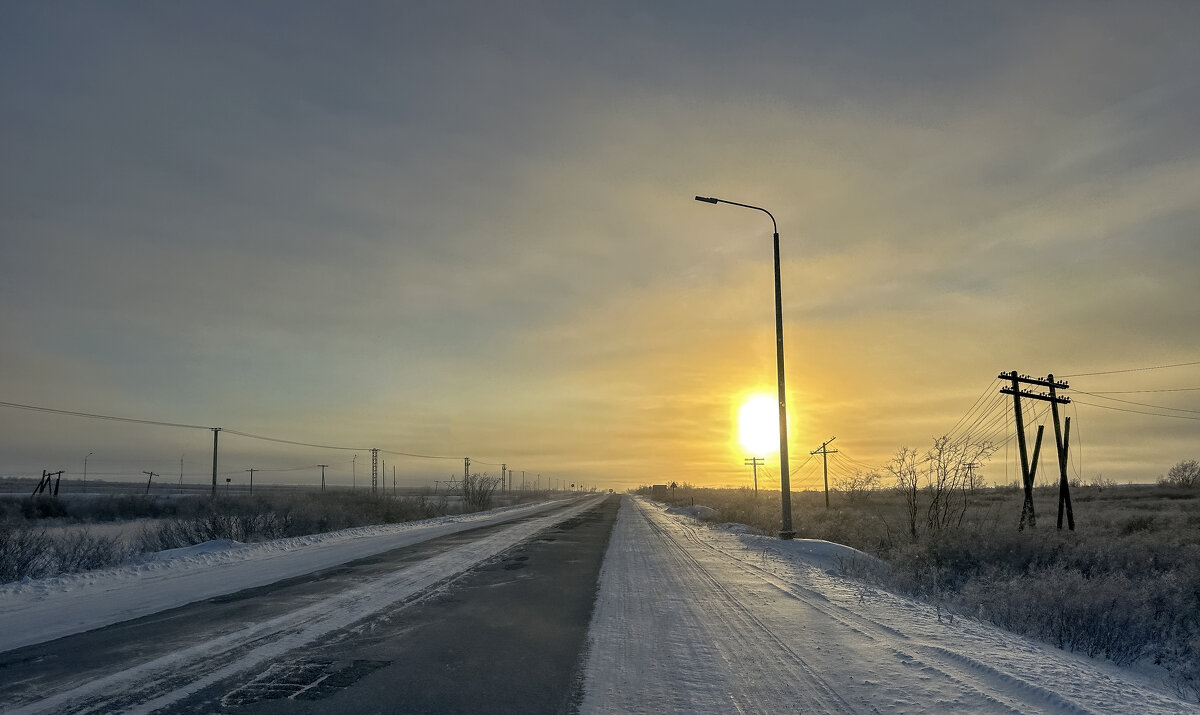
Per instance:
x=784, y=476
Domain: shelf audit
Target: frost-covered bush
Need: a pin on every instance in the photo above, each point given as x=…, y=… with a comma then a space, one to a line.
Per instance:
x=35, y=553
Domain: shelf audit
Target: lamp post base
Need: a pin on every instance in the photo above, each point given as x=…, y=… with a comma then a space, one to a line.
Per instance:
x=787, y=535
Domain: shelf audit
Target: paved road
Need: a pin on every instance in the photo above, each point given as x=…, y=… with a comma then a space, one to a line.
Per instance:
x=504, y=637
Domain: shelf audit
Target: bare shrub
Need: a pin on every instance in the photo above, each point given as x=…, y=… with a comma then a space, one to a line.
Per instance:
x=1185, y=474
x=903, y=469
x=82, y=550
x=477, y=490
x=858, y=486
x=36, y=553
x=949, y=474
x=23, y=552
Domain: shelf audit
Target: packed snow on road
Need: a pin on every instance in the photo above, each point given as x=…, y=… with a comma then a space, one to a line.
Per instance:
x=696, y=619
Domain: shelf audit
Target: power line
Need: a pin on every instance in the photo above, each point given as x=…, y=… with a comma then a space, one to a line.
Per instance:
x=1136, y=412
x=1139, y=404
x=278, y=440
x=1131, y=392
x=293, y=442
x=419, y=456
x=971, y=409
x=1132, y=369
x=91, y=415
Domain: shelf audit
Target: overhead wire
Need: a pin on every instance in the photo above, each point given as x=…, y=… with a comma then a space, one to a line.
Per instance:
x=1130, y=392
x=971, y=409
x=1136, y=412
x=1139, y=404
x=113, y=418
x=1132, y=369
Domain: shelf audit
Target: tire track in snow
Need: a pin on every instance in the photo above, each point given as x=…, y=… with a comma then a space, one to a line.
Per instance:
x=745, y=635
x=999, y=688
x=668, y=636
x=982, y=679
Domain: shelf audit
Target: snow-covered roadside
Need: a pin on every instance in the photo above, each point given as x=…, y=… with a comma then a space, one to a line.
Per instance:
x=702, y=620
x=39, y=610
x=169, y=678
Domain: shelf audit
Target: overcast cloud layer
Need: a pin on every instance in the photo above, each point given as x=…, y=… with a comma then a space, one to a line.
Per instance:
x=468, y=229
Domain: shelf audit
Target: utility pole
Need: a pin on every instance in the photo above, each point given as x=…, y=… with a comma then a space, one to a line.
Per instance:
x=825, y=452
x=754, y=462
x=181, y=474
x=971, y=467
x=1064, y=494
x=503, y=469
x=85, y=458
x=1062, y=439
x=152, y=476
x=393, y=480
x=1027, y=511
x=374, y=471
x=44, y=483
x=466, y=469
x=252, y=471
x=215, y=430
x=322, y=466
x=353, y=473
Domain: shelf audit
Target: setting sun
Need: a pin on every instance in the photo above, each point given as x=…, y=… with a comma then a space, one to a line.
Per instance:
x=758, y=425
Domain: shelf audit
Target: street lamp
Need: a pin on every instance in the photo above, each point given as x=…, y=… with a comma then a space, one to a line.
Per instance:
x=85, y=468
x=784, y=476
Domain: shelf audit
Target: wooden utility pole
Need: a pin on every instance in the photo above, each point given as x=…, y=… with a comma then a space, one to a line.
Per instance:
x=1027, y=512
x=215, y=430
x=1062, y=439
x=252, y=471
x=825, y=452
x=1026, y=471
x=374, y=471
x=970, y=467
x=754, y=462
x=503, y=470
x=43, y=484
x=152, y=476
x=322, y=466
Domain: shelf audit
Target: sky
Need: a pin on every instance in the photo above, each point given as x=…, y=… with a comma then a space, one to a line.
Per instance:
x=467, y=229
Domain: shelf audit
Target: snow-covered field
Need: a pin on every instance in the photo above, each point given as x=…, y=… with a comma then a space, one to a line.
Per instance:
x=691, y=619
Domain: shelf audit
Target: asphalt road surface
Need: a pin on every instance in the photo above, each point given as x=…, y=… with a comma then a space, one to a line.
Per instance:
x=505, y=636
